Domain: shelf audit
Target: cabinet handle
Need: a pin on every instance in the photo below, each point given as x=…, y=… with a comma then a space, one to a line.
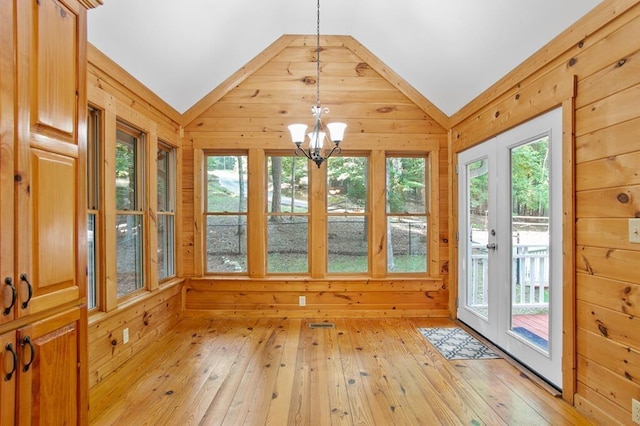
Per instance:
x=27, y=341
x=14, y=294
x=24, y=279
x=14, y=354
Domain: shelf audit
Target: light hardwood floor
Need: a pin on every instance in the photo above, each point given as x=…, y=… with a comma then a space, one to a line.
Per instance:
x=281, y=372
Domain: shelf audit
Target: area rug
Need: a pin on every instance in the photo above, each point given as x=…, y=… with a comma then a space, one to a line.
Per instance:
x=455, y=343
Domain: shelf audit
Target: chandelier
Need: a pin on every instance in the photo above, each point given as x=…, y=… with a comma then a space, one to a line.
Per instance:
x=316, y=150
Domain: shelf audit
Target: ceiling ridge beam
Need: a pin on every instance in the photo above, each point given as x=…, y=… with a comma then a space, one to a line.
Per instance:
x=398, y=82
x=236, y=78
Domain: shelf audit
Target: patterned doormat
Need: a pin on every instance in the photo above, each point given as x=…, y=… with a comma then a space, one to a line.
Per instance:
x=455, y=343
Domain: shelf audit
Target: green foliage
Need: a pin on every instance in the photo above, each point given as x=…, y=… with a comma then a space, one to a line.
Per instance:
x=406, y=184
x=349, y=176
x=530, y=179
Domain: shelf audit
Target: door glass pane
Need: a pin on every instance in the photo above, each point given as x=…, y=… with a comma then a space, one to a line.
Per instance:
x=477, y=253
x=530, y=241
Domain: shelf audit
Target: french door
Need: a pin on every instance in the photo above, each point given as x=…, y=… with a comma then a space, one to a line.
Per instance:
x=510, y=247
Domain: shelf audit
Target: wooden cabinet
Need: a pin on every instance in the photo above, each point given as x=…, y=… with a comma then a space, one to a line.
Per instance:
x=41, y=381
x=43, y=106
x=51, y=110
x=8, y=370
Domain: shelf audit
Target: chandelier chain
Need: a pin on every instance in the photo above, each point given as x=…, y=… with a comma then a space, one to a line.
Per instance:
x=318, y=56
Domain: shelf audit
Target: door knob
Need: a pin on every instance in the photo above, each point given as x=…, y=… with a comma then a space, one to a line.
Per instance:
x=492, y=246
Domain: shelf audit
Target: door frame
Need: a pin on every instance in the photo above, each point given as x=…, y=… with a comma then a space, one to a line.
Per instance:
x=487, y=123
x=497, y=324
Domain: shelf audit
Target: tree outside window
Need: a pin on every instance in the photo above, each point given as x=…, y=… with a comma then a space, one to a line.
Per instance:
x=407, y=236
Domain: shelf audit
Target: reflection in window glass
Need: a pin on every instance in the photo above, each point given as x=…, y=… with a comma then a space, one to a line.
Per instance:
x=166, y=211
x=226, y=214
x=93, y=206
x=129, y=253
x=407, y=236
x=91, y=262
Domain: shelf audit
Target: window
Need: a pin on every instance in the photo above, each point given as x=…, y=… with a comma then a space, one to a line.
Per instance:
x=93, y=206
x=287, y=214
x=166, y=166
x=360, y=214
x=406, y=214
x=347, y=214
x=129, y=173
x=226, y=214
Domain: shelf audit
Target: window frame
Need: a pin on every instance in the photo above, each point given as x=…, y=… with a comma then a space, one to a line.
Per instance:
x=366, y=214
x=170, y=212
x=428, y=195
x=268, y=214
x=206, y=213
x=95, y=132
x=139, y=210
x=257, y=213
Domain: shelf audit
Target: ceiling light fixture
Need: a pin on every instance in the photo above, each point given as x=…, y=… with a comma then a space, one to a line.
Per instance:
x=316, y=150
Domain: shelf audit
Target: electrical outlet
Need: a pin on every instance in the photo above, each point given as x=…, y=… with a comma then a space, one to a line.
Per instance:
x=634, y=230
x=635, y=411
x=302, y=300
x=125, y=335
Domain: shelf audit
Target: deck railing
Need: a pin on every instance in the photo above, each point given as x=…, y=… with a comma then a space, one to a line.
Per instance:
x=529, y=276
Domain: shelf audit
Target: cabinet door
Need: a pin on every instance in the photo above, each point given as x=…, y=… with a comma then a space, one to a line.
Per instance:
x=52, y=378
x=49, y=175
x=57, y=26
x=7, y=89
x=8, y=371
x=52, y=245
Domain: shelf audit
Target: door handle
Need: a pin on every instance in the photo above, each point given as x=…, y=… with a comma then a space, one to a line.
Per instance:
x=492, y=246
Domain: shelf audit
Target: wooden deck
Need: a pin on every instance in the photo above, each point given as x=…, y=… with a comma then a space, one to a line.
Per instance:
x=537, y=324
x=281, y=372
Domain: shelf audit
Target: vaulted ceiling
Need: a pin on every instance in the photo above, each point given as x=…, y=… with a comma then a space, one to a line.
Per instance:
x=449, y=50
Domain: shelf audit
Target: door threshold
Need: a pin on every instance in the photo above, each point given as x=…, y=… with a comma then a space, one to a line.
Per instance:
x=525, y=371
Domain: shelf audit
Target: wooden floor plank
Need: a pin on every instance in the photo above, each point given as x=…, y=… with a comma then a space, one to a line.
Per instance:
x=278, y=411
x=238, y=387
x=279, y=371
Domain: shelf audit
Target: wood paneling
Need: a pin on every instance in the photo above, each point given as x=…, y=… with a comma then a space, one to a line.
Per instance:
x=325, y=298
x=250, y=112
x=150, y=314
x=602, y=51
x=146, y=320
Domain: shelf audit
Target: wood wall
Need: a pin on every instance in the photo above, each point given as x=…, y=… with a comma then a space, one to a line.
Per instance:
x=251, y=111
x=119, y=96
x=601, y=54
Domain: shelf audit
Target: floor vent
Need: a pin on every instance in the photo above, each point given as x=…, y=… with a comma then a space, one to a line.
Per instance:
x=322, y=325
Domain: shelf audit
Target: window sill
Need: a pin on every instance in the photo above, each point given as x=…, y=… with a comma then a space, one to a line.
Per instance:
x=98, y=315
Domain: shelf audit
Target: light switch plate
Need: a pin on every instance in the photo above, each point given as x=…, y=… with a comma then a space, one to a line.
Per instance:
x=635, y=411
x=302, y=300
x=634, y=230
